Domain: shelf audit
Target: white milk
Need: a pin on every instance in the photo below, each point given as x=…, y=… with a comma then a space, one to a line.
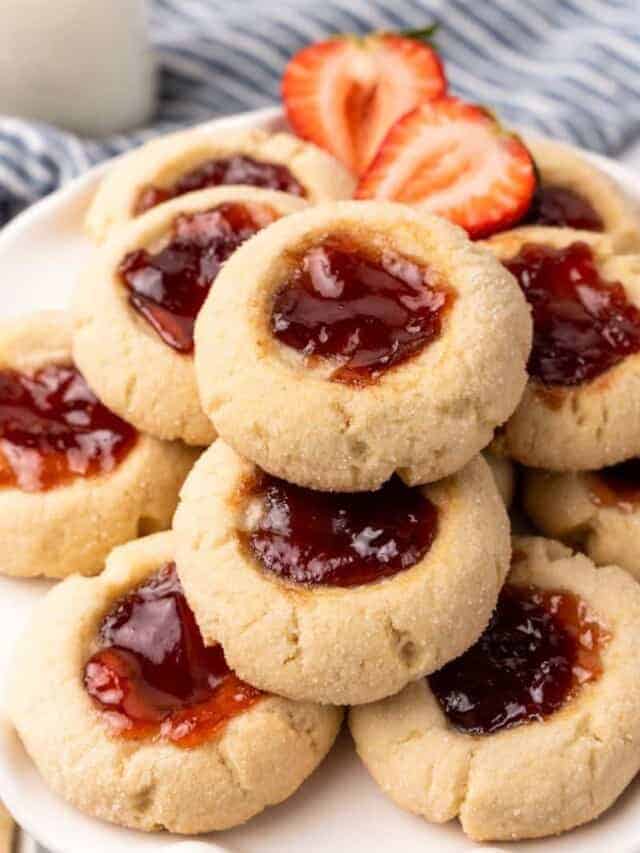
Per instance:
x=84, y=65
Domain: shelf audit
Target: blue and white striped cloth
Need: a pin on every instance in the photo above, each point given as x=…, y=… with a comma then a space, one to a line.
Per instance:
x=568, y=68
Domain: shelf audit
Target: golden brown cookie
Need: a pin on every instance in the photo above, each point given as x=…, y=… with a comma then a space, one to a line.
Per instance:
x=198, y=159
x=136, y=303
x=75, y=480
x=181, y=744
x=580, y=408
x=596, y=511
x=575, y=194
x=351, y=341
x=510, y=763
x=338, y=598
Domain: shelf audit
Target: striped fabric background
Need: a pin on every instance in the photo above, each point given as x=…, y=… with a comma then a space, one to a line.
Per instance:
x=569, y=68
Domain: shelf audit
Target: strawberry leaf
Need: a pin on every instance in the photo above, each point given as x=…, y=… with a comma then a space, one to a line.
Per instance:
x=425, y=34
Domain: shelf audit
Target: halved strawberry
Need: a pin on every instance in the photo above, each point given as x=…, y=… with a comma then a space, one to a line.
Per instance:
x=344, y=94
x=454, y=159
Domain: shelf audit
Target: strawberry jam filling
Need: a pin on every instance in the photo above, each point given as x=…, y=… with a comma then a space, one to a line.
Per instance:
x=539, y=648
x=168, y=287
x=153, y=676
x=338, y=539
x=617, y=486
x=562, y=207
x=583, y=325
x=238, y=169
x=367, y=311
x=54, y=429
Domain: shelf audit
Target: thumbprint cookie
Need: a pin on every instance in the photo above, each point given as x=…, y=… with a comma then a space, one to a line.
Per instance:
x=596, y=511
x=198, y=159
x=581, y=408
x=533, y=730
x=338, y=597
x=356, y=340
x=572, y=193
x=504, y=474
x=130, y=718
x=75, y=479
x=136, y=305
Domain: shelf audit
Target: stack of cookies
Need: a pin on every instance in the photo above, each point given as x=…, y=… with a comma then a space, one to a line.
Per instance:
x=346, y=403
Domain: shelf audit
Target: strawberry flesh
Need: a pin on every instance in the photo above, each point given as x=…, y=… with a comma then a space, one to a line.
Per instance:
x=344, y=94
x=453, y=159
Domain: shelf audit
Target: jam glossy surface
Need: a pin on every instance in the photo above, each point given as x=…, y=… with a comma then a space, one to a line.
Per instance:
x=238, y=169
x=153, y=676
x=538, y=650
x=168, y=287
x=367, y=312
x=583, y=325
x=54, y=429
x=562, y=207
x=339, y=539
x=617, y=486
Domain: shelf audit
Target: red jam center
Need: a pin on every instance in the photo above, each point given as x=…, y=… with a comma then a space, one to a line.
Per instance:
x=537, y=651
x=618, y=485
x=53, y=429
x=339, y=539
x=154, y=676
x=168, y=287
x=564, y=208
x=238, y=169
x=368, y=313
x=583, y=325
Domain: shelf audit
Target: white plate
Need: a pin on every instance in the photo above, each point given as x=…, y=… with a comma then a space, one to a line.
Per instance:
x=339, y=808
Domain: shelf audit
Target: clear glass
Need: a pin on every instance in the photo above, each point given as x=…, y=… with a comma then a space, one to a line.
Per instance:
x=85, y=65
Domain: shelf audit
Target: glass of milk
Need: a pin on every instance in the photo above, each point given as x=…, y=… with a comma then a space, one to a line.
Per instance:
x=84, y=65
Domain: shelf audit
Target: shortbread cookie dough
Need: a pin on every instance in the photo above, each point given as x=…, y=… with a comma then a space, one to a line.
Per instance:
x=504, y=761
x=338, y=598
x=575, y=194
x=181, y=744
x=198, y=159
x=597, y=511
x=352, y=341
x=581, y=407
x=136, y=304
x=75, y=480
x=504, y=474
